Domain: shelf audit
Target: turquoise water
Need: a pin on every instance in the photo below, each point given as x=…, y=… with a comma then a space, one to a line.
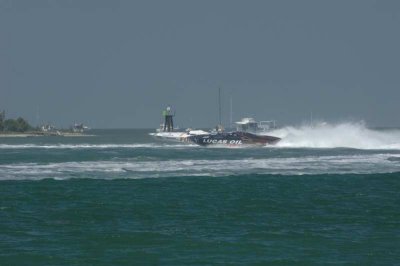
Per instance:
x=122, y=198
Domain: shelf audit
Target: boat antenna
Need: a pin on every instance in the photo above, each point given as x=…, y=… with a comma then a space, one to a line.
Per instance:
x=37, y=116
x=231, y=120
x=219, y=104
x=311, y=119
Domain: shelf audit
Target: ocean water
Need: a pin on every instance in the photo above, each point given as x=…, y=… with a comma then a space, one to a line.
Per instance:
x=327, y=194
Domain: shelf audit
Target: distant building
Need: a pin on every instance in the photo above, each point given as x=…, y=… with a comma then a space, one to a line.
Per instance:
x=48, y=128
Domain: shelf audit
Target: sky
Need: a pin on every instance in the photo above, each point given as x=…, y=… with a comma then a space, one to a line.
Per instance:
x=118, y=64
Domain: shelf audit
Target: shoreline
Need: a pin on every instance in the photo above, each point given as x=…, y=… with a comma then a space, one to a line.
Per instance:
x=42, y=134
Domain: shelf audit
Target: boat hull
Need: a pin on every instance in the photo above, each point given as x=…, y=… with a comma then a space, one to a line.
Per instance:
x=171, y=136
x=177, y=136
x=236, y=138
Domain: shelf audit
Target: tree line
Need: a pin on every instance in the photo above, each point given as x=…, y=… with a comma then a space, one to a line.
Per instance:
x=13, y=125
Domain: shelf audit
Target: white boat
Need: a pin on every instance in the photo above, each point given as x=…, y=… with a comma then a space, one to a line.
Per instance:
x=169, y=133
x=179, y=136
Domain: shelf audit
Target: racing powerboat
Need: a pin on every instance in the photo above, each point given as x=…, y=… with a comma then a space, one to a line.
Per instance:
x=235, y=138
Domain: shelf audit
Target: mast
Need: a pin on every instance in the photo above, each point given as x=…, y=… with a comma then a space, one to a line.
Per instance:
x=311, y=119
x=219, y=104
x=231, y=120
x=37, y=116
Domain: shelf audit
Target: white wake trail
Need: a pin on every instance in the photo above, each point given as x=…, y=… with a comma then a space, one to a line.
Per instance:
x=304, y=165
x=348, y=135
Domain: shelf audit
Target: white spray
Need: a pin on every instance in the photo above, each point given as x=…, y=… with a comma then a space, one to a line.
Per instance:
x=349, y=135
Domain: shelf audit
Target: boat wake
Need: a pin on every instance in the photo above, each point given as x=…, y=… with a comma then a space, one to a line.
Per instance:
x=342, y=135
x=137, y=169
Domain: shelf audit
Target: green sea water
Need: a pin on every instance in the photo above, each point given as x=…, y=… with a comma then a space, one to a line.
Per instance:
x=122, y=198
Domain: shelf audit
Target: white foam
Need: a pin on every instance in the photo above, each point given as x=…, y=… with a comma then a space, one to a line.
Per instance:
x=349, y=135
x=339, y=164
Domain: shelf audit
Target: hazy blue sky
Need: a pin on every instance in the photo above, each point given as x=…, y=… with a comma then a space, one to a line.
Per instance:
x=118, y=63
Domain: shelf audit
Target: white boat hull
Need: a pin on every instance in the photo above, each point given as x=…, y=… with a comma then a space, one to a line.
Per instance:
x=177, y=136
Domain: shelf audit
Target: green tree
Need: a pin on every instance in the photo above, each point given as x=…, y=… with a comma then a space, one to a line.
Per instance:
x=16, y=125
x=10, y=125
x=23, y=125
x=2, y=117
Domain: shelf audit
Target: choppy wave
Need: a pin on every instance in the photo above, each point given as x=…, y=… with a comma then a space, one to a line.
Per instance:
x=309, y=165
x=349, y=135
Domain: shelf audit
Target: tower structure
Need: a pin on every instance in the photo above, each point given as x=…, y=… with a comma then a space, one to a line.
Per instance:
x=168, y=120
